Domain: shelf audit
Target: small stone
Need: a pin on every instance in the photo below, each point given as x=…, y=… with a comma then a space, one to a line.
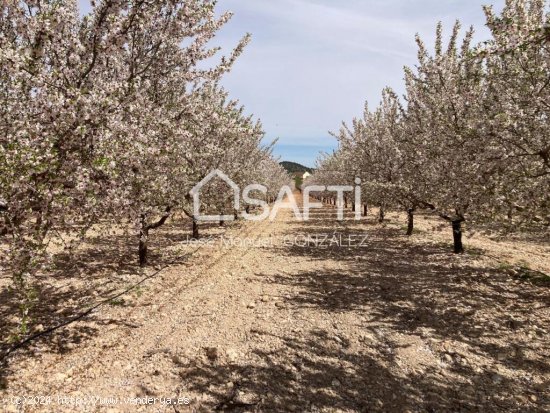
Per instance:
x=533, y=398
x=336, y=383
x=177, y=360
x=501, y=356
x=232, y=355
x=497, y=378
x=212, y=353
x=448, y=358
x=60, y=376
x=11, y=408
x=424, y=333
x=366, y=337
x=247, y=398
x=251, y=306
x=522, y=399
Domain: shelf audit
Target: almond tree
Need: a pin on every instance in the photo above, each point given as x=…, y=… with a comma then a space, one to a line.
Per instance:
x=372, y=148
x=52, y=109
x=94, y=114
x=354, y=148
x=443, y=120
x=225, y=139
x=472, y=141
x=518, y=107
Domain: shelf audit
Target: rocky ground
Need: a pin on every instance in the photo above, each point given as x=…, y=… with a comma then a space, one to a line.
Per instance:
x=261, y=323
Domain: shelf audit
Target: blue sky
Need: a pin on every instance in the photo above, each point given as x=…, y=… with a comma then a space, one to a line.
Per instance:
x=313, y=63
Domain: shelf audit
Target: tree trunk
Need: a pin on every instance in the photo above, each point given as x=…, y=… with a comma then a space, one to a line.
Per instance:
x=195, y=229
x=236, y=215
x=144, y=234
x=410, y=226
x=365, y=210
x=247, y=209
x=353, y=207
x=143, y=238
x=381, y=215
x=345, y=202
x=457, y=236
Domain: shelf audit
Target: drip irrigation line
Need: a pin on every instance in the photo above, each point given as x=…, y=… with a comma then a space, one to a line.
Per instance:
x=80, y=316
x=4, y=357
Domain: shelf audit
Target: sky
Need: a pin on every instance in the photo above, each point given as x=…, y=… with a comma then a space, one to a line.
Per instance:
x=313, y=63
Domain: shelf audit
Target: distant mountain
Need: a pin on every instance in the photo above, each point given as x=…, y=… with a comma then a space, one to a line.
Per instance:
x=293, y=167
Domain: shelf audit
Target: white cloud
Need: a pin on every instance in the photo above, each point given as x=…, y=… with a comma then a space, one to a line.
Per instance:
x=313, y=63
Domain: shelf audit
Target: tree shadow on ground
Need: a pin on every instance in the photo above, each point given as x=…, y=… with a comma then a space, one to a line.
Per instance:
x=314, y=372
x=489, y=330
x=100, y=268
x=469, y=327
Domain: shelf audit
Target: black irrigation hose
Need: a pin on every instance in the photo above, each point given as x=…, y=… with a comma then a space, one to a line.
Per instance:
x=4, y=357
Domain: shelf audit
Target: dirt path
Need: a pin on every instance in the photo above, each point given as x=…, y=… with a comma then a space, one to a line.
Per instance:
x=375, y=324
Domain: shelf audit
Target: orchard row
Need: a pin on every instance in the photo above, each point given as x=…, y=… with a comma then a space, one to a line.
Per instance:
x=470, y=140
x=111, y=119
